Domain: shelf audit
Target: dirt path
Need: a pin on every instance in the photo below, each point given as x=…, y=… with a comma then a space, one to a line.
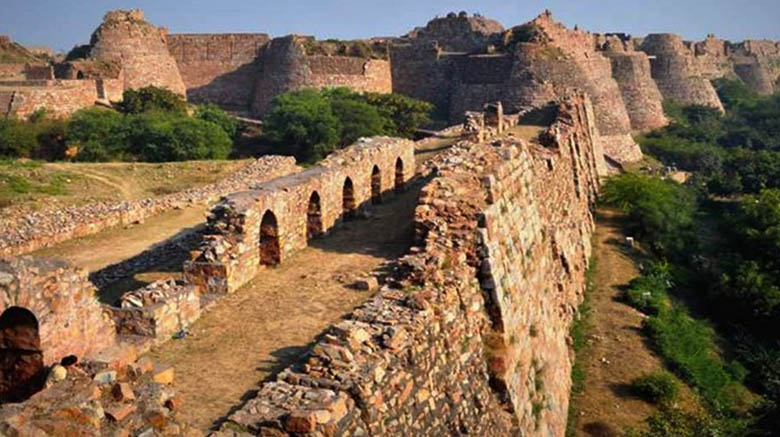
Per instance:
x=122, y=186
x=118, y=244
x=267, y=325
x=616, y=351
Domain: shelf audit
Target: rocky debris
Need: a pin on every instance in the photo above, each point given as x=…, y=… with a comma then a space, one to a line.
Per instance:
x=41, y=229
x=80, y=404
x=156, y=292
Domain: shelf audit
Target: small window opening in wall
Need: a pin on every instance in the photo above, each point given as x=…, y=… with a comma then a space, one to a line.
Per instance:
x=270, y=252
x=348, y=199
x=376, y=186
x=314, y=217
x=399, y=174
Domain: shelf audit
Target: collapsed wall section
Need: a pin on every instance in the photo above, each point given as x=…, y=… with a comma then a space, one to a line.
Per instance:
x=59, y=97
x=46, y=228
x=469, y=336
x=218, y=68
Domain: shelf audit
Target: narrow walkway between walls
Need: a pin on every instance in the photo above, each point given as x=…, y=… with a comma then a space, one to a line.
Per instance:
x=266, y=325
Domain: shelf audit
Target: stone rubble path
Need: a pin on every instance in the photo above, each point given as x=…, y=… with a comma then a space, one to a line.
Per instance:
x=267, y=324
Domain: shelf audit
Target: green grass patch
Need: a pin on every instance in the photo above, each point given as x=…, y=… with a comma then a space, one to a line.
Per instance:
x=657, y=387
x=578, y=332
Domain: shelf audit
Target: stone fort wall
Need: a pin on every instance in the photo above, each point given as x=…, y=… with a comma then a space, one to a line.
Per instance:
x=218, y=68
x=469, y=335
x=59, y=97
x=264, y=226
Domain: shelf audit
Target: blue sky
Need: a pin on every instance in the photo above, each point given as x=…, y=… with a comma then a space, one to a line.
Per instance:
x=61, y=24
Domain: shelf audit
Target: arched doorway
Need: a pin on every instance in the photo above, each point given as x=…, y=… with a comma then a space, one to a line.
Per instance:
x=314, y=217
x=376, y=185
x=348, y=199
x=21, y=359
x=270, y=253
x=399, y=174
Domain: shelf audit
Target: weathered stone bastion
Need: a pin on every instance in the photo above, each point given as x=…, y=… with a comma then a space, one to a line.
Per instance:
x=264, y=226
x=141, y=49
x=677, y=73
x=469, y=335
x=631, y=71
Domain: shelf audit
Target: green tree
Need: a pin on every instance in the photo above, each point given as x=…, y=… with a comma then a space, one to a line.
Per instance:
x=152, y=99
x=302, y=124
x=17, y=140
x=406, y=114
x=97, y=133
x=661, y=211
x=217, y=115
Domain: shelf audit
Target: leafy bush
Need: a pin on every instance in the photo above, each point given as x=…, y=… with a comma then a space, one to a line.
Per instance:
x=657, y=387
x=97, y=133
x=17, y=139
x=152, y=99
x=648, y=293
x=660, y=210
x=405, y=113
x=216, y=115
x=302, y=124
x=676, y=422
x=310, y=124
x=734, y=93
x=688, y=346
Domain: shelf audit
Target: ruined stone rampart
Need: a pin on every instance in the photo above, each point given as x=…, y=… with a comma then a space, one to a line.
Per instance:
x=59, y=97
x=157, y=311
x=285, y=66
x=267, y=224
x=44, y=229
x=460, y=32
x=677, y=73
x=70, y=321
x=141, y=49
x=469, y=336
x=218, y=68
x=641, y=96
x=12, y=71
x=410, y=61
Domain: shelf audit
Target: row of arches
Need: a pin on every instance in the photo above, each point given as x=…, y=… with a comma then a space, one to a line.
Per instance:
x=270, y=248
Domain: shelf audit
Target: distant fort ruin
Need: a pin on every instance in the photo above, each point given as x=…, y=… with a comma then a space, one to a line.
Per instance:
x=458, y=62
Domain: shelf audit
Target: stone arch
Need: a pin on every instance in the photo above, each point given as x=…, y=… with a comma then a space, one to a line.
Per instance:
x=399, y=174
x=349, y=204
x=80, y=75
x=376, y=185
x=22, y=373
x=270, y=250
x=314, y=216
